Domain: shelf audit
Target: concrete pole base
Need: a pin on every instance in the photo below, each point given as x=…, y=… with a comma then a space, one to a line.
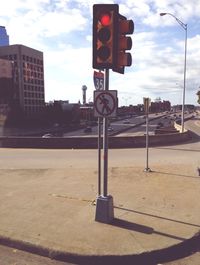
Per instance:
x=147, y=169
x=104, y=209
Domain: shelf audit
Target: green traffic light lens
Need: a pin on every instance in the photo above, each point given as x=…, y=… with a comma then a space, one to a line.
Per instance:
x=104, y=53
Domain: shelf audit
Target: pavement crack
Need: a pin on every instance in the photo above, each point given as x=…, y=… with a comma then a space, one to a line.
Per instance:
x=72, y=198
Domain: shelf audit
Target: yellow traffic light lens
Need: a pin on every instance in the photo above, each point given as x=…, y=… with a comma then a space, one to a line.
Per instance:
x=104, y=53
x=104, y=34
x=105, y=19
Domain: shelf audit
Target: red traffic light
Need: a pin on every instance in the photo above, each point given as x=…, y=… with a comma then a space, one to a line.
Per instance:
x=105, y=35
x=105, y=19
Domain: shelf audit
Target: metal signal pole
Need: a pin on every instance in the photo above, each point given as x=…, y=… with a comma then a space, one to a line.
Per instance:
x=146, y=108
x=104, y=207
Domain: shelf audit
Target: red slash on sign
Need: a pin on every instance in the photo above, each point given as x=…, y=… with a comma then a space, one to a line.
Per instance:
x=105, y=103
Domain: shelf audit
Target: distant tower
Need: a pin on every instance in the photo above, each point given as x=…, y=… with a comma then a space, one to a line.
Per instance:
x=4, y=38
x=84, y=88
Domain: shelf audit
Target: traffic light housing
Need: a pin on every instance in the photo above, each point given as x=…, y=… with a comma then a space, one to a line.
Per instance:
x=105, y=35
x=109, y=38
x=124, y=43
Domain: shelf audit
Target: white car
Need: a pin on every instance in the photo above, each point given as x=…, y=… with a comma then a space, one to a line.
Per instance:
x=126, y=122
x=47, y=135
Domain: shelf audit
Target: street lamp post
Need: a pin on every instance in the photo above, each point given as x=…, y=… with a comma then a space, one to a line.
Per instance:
x=184, y=26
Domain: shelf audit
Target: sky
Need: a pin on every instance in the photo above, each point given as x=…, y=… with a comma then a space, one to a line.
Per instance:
x=62, y=30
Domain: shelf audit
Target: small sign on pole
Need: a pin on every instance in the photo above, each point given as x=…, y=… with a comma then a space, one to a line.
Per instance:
x=98, y=80
x=147, y=103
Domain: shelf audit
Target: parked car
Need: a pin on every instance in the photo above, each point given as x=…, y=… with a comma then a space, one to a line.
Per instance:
x=110, y=129
x=126, y=122
x=159, y=125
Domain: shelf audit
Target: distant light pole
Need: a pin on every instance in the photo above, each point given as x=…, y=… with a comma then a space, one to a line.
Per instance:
x=184, y=26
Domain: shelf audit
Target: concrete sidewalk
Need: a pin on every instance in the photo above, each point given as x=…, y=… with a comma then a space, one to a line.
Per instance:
x=52, y=212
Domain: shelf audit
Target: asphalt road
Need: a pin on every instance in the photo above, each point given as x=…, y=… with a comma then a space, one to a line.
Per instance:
x=127, y=125
x=167, y=120
x=12, y=158
x=115, y=125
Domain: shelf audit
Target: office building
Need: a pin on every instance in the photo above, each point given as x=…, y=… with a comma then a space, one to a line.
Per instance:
x=28, y=77
x=4, y=38
x=6, y=89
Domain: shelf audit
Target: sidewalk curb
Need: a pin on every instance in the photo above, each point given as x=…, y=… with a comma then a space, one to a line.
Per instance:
x=181, y=250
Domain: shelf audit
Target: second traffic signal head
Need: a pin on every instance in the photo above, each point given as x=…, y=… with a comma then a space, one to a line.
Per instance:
x=104, y=35
x=124, y=43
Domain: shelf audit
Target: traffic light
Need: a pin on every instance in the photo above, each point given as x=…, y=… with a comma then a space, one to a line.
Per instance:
x=123, y=43
x=105, y=35
x=110, y=40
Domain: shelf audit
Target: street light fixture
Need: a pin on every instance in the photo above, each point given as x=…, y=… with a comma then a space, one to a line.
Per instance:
x=184, y=26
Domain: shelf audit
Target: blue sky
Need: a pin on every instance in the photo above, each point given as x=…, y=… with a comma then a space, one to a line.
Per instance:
x=62, y=29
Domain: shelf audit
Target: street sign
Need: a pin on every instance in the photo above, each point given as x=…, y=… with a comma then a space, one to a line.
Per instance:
x=98, y=80
x=105, y=103
x=147, y=103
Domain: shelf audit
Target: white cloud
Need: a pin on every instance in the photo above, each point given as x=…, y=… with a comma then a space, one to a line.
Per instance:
x=56, y=23
x=71, y=67
x=36, y=24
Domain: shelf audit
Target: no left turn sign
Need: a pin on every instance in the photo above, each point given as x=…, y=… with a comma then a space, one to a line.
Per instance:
x=105, y=103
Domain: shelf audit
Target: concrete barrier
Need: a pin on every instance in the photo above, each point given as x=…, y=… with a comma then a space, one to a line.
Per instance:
x=92, y=142
x=165, y=131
